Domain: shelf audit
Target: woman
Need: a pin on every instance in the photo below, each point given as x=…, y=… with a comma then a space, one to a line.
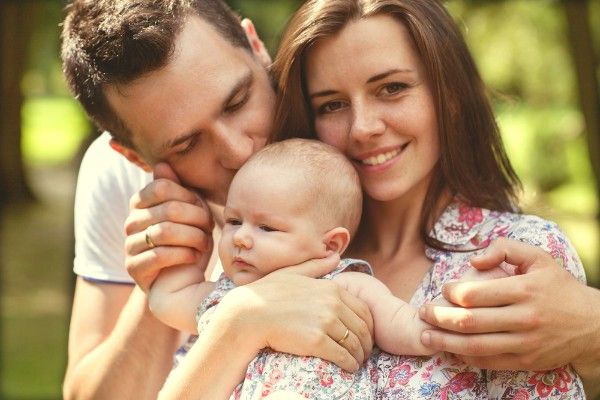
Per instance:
x=392, y=85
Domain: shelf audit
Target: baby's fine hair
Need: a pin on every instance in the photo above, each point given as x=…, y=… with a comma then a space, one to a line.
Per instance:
x=331, y=181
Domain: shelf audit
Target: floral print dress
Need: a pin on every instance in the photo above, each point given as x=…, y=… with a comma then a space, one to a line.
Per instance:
x=441, y=376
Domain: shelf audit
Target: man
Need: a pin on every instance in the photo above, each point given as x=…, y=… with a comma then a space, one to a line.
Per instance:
x=174, y=53
x=174, y=81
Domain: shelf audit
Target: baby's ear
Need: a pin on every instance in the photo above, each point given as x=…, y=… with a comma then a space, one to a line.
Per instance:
x=337, y=239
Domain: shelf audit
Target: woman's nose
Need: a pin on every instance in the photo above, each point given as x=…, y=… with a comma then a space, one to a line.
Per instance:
x=366, y=123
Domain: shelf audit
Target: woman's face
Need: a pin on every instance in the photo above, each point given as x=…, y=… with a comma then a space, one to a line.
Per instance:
x=371, y=99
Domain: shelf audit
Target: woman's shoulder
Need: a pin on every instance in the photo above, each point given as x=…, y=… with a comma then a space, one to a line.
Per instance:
x=536, y=231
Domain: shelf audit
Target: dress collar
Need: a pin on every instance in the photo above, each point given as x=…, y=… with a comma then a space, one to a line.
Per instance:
x=459, y=224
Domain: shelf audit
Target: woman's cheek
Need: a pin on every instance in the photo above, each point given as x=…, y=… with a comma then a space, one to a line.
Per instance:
x=331, y=133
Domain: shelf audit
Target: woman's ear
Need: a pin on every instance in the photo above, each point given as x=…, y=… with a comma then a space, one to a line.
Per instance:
x=337, y=239
x=130, y=154
x=258, y=47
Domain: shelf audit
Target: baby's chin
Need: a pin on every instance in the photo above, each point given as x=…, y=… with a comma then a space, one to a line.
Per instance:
x=244, y=277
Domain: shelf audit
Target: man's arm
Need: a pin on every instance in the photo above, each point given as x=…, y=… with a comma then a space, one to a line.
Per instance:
x=115, y=344
x=539, y=320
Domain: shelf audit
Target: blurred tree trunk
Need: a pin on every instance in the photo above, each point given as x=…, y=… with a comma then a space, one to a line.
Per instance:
x=584, y=57
x=16, y=25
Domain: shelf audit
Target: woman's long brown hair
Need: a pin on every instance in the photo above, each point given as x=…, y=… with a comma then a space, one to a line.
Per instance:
x=473, y=164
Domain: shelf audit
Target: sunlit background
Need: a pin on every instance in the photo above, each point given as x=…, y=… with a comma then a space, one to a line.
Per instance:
x=523, y=49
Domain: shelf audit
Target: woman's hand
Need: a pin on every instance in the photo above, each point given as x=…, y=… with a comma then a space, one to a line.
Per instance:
x=291, y=312
x=539, y=320
x=168, y=225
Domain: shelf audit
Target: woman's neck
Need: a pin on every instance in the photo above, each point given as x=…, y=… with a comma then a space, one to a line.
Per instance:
x=393, y=228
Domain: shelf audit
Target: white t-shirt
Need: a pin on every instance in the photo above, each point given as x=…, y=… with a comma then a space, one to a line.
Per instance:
x=106, y=182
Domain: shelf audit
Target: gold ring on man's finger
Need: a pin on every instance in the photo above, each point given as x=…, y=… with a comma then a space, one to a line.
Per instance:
x=149, y=241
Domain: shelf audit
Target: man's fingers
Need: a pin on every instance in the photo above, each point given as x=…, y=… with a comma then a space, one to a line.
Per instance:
x=314, y=268
x=510, y=251
x=144, y=267
x=489, y=344
x=478, y=320
x=173, y=211
x=159, y=191
x=491, y=293
x=168, y=234
x=164, y=171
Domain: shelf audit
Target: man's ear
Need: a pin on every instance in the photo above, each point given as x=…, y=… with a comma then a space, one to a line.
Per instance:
x=258, y=47
x=130, y=154
x=337, y=239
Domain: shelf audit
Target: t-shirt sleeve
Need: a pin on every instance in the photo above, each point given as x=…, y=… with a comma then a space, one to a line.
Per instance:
x=105, y=184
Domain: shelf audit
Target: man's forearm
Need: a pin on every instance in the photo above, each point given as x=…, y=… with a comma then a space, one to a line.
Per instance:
x=132, y=362
x=588, y=365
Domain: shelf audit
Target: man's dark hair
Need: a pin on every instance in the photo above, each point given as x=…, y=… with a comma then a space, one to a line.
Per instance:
x=106, y=42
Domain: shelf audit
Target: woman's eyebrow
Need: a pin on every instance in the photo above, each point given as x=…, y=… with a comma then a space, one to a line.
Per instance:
x=374, y=78
x=385, y=74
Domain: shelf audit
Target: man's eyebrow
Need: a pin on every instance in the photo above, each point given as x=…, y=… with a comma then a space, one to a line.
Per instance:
x=244, y=82
x=375, y=78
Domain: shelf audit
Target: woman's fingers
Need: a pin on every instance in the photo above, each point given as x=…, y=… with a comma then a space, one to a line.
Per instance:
x=358, y=319
x=313, y=268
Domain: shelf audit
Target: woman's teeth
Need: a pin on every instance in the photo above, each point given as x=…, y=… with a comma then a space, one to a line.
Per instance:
x=381, y=158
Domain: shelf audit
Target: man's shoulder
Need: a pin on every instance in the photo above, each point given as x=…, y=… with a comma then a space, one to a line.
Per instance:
x=102, y=166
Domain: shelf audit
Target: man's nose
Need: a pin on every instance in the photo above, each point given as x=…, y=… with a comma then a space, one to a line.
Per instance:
x=232, y=145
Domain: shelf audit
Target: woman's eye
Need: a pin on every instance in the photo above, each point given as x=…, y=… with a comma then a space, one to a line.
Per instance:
x=330, y=107
x=233, y=221
x=267, y=228
x=393, y=88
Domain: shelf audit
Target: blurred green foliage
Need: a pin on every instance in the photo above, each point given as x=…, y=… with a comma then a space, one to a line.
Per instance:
x=523, y=53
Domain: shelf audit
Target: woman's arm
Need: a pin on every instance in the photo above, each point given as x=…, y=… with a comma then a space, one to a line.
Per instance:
x=539, y=320
x=287, y=312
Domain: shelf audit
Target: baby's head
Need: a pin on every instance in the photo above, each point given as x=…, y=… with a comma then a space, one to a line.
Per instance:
x=292, y=201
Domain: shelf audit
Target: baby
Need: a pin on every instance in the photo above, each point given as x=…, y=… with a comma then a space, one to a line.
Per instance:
x=293, y=201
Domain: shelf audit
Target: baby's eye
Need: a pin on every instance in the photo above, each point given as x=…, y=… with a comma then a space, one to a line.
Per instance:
x=267, y=228
x=233, y=221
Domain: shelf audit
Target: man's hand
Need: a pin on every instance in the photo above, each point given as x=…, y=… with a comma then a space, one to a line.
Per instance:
x=540, y=319
x=168, y=225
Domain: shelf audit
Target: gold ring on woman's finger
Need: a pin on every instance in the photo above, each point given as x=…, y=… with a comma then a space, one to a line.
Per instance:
x=149, y=241
x=342, y=340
